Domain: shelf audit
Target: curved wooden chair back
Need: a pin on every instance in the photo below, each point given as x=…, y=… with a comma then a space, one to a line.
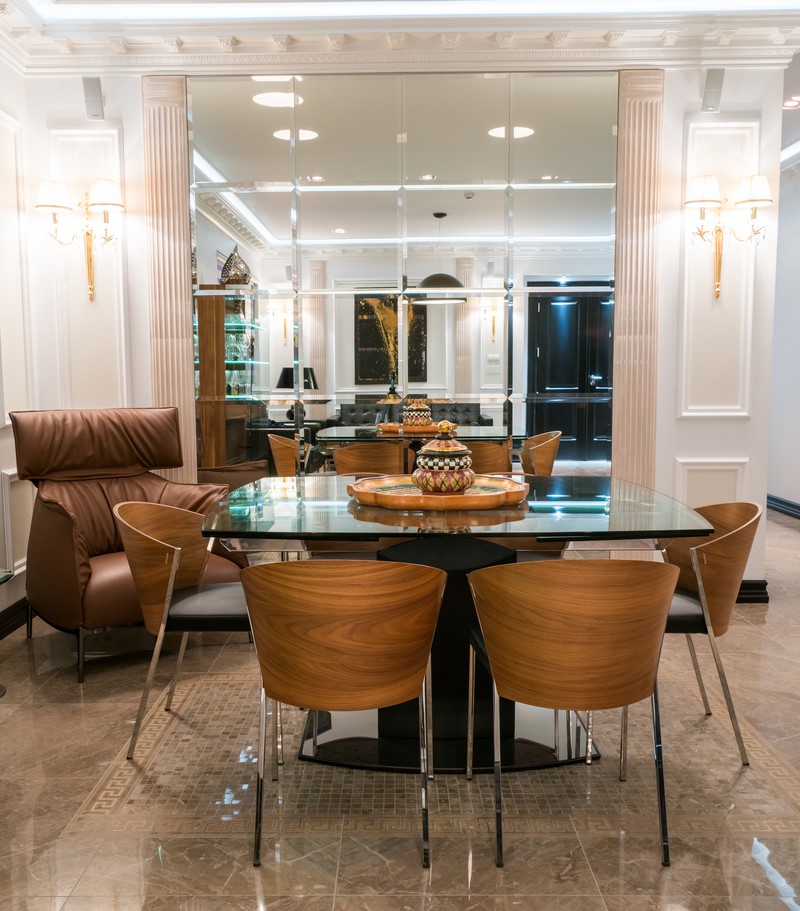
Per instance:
x=490, y=457
x=371, y=458
x=285, y=455
x=582, y=634
x=343, y=635
x=234, y=475
x=166, y=552
x=714, y=566
x=539, y=452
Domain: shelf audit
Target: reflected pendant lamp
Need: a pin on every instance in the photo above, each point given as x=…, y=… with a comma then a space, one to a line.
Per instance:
x=441, y=282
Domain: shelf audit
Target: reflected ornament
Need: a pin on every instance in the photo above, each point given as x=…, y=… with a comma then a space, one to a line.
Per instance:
x=235, y=270
x=417, y=414
x=444, y=464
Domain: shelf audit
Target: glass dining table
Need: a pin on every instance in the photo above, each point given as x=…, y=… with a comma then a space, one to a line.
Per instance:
x=555, y=509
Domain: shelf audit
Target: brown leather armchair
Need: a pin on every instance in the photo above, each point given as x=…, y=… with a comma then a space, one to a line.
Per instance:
x=84, y=462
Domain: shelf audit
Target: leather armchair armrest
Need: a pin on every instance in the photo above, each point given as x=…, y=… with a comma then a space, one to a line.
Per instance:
x=58, y=569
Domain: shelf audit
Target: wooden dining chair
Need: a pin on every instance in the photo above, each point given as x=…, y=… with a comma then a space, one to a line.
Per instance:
x=539, y=452
x=490, y=457
x=285, y=455
x=580, y=635
x=372, y=458
x=343, y=637
x=711, y=571
x=168, y=554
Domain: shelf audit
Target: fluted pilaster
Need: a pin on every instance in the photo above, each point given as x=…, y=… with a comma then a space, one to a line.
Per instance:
x=315, y=338
x=166, y=157
x=636, y=310
x=465, y=329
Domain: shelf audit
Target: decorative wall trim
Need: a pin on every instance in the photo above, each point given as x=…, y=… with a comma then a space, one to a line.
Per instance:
x=165, y=141
x=718, y=388
x=730, y=470
x=633, y=433
x=787, y=507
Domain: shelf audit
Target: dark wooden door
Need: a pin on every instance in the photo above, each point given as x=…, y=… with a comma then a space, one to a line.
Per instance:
x=570, y=359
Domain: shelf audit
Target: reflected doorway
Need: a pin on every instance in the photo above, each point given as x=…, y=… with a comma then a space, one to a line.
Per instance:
x=570, y=362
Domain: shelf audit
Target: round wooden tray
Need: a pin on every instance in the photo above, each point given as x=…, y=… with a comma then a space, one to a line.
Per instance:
x=400, y=492
x=438, y=520
x=413, y=429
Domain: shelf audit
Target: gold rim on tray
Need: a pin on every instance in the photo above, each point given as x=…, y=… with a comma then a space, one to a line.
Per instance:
x=400, y=492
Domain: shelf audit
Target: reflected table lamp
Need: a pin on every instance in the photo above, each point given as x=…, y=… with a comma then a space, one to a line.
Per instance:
x=286, y=381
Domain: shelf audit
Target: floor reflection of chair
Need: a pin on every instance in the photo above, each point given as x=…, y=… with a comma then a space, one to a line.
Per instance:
x=488, y=458
x=371, y=458
x=575, y=635
x=168, y=555
x=711, y=571
x=343, y=637
x=539, y=452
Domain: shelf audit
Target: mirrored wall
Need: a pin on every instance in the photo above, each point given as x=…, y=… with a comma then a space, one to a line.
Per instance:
x=448, y=236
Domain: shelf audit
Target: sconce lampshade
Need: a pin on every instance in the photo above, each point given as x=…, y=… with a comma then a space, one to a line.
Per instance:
x=286, y=378
x=53, y=197
x=754, y=192
x=105, y=194
x=703, y=193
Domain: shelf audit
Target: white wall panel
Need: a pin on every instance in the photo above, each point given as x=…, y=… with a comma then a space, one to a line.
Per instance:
x=702, y=481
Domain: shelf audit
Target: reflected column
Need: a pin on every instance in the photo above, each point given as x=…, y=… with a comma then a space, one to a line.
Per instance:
x=465, y=329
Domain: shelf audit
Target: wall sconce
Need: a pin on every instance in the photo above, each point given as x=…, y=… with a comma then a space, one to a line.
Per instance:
x=490, y=315
x=103, y=197
x=282, y=311
x=704, y=193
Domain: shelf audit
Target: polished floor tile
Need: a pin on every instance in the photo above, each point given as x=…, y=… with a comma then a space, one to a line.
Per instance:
x=83, y=829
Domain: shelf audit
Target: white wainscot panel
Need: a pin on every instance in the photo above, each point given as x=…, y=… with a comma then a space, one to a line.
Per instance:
x=715, y=368
x=699, y=482
x=16, y=509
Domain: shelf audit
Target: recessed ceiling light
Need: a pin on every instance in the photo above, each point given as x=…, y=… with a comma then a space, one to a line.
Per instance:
x=278, y=99
x=791, y=104
x=276, y=78
x=519, y=132
x=549, y=176
x=302, y=135
x=317, y=178
x=339, y=231
x=427, y=177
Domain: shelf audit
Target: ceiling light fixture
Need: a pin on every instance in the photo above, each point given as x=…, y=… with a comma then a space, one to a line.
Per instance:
x=276, y=78
x=302, y=135
x=519, y=132
x=339, y=231
x=278, y=99
x=439, y=285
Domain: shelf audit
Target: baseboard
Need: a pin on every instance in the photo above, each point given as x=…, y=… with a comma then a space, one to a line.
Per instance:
x=13, y=617
x=753, y=591
x=787, y=507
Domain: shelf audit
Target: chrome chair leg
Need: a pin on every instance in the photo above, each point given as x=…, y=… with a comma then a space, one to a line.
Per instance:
x=429, y=711
x=658, y=754
x=178, y=663
x=471, y=712
x=262, y=746
x=573, y=733
x=498, y=808
x=314, y=731
x=277, y=739
x=556, y=733
x=589, y=743
x=151, y=671
x=623, y=744
x=697, y=673
x=423, y=769
x=726, y=692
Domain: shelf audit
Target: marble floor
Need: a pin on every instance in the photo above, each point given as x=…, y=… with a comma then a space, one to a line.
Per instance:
x=83, y=829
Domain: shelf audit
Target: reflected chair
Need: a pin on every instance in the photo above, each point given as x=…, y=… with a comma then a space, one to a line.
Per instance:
x=711, y=571
x=343, y=637
x=83, y=462
x=578, y=635
x=488, y=458
x=539, y=452
x=235, y=475
x=285, y=455
x=371, y=458
x=168, y=556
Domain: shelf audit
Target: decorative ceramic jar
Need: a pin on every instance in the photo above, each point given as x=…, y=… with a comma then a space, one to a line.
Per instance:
x=443, y=465
x=417, y=414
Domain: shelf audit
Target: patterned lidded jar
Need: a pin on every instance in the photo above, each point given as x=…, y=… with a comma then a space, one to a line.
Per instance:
x=417, y=414
x=443, y=465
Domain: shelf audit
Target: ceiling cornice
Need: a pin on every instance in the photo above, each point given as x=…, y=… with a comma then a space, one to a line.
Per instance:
x=604, y=42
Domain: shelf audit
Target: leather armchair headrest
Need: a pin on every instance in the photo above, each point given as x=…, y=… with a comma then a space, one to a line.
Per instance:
x=76, y=444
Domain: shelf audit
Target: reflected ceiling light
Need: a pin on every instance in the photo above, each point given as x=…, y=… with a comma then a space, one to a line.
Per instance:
x=519, y=132
x=439, y=285
x=549, y=177
x=302, y=135
x=278, y=99
x=788, y=105
x=339, y=231
x=427, y=177
x=317, y=178
x=276, y=78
